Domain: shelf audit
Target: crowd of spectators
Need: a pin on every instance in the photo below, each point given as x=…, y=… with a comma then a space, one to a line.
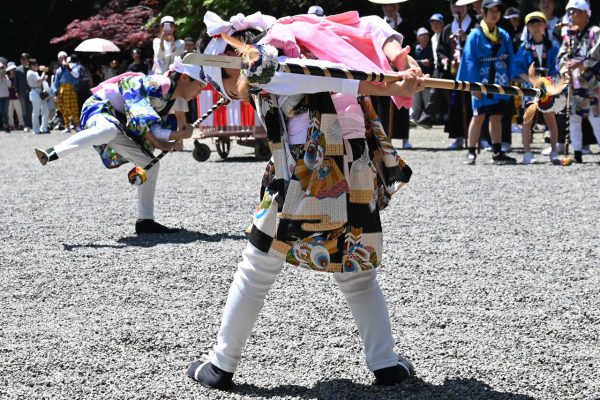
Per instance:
x=31, y=94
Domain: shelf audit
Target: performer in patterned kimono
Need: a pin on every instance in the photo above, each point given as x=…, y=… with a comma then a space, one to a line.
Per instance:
x=123, y=120
x=579, y=57
x=449, y=54
x=333, y=169
x=487, y=58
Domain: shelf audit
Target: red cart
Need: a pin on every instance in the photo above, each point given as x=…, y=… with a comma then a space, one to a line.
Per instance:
x=236, y=121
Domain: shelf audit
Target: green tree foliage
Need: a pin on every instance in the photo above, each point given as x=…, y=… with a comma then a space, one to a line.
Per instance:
x=189, y=13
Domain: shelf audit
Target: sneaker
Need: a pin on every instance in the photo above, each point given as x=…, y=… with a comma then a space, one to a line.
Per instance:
x=209, y=375
x=396, y=374
x=528, y=158
x=506, y=147
x=516, y=128
x=412, y=123
x=586, y=150
x=406, y=144
x=144, y=226
x=554, y=160
x=538, y=128
x=425, y=122
x=471, y=159
x=502, y=159
x=458, y=144
x=66, y=130
x=560, y=149
x=26, y=129
x=484, y=144
x=45, y=156
x=578, y=156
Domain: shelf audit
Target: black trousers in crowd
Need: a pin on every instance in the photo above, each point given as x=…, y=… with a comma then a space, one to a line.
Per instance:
x=460, y=113
x=400, y=118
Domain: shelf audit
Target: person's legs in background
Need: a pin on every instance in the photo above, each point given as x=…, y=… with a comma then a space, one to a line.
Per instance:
x=36, y=105
x=4, y=101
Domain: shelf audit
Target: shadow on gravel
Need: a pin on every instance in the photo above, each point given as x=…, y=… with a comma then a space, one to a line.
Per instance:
x=416, y=388
x=182, y=237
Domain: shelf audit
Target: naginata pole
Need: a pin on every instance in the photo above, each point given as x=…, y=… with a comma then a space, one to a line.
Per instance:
x=139, y=175
x=447, y=84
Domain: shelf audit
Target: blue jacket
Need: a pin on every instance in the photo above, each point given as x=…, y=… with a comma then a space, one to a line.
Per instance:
x=477, y=58
x=527, y=54
x=63, y=76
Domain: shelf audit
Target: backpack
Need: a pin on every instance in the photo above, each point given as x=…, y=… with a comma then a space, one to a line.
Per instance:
x=85, y=79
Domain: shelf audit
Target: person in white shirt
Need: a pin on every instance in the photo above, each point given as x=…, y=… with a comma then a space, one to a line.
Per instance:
x=37, y=96
x=166, y=48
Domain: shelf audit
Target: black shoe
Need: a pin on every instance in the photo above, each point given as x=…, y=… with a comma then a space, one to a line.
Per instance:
x=425, y=122
x=471, y=159
x=210, y=376
x=143, y=226
x=578, y=156
x=46, y=156
x=392, y=375
x=502, y=159
x=7, y=129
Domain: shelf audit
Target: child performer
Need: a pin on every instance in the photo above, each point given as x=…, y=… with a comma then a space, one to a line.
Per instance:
x=579, y=57
x=122, y=120
x=487, y=58
x=333, y=169
x=539, y=50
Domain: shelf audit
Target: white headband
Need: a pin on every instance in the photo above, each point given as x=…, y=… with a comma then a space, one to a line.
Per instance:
x=215, y=26
x=193, y=71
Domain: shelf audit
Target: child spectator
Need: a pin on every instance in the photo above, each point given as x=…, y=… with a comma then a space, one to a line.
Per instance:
x=539, y=50
x=512, y=15
x=487, y=58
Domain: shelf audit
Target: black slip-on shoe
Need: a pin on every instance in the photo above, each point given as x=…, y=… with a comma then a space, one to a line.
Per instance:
x=396, y=374
x=45, y=156
x=210, y=376
x=145, y=226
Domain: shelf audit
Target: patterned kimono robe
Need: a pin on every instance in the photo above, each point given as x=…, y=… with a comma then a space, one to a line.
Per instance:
x=145, y=100
x=321, y=200
x=586, y=47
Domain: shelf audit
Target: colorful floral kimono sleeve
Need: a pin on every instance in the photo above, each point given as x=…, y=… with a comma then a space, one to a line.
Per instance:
x=139, y=94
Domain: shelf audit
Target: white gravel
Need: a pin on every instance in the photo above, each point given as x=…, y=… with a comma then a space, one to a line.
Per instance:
x=491, y=275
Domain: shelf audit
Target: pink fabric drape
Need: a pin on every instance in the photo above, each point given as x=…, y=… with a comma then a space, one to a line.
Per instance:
x=115, y=79
x=339, y=38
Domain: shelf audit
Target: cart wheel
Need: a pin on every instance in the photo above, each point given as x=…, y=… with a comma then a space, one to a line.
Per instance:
x=201, y=151
x=223, y=147
x=262, y=150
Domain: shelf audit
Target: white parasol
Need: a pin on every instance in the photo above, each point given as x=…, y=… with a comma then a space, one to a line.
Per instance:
x=97, y=45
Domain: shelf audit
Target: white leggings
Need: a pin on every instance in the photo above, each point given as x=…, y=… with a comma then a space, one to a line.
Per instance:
x=576, y=131
x=253, y=279
x=106, y=132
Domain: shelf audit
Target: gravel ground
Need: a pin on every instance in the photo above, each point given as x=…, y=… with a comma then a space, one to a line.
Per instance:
x=491, y=275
